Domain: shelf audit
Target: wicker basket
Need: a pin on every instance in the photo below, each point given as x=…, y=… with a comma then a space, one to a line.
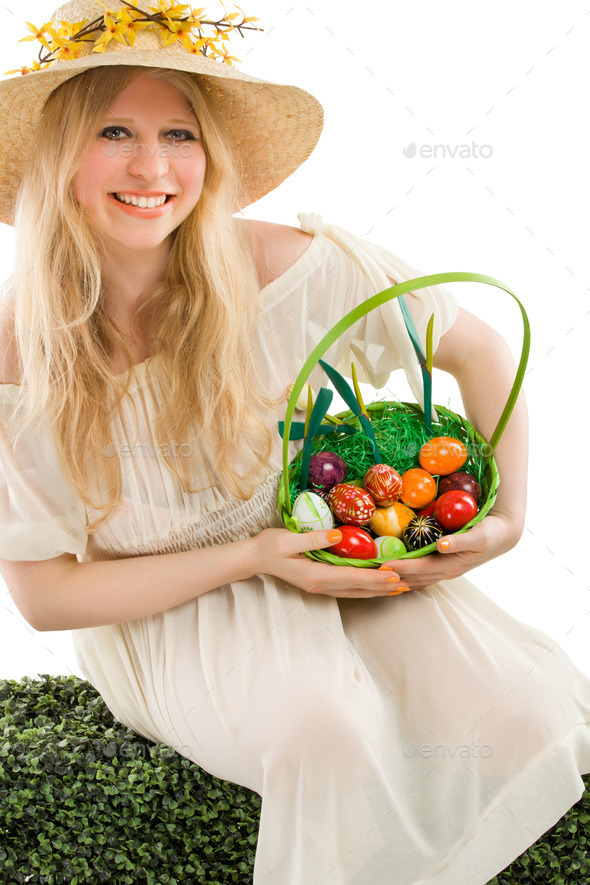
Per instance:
x=480, y=461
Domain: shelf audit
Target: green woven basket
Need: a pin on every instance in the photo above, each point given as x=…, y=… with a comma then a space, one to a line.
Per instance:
x=384, y=416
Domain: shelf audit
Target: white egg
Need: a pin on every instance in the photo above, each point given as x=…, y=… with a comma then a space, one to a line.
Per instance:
x=311, y=513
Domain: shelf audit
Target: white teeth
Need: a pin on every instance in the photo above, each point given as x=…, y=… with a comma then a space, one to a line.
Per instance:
x=142, y=202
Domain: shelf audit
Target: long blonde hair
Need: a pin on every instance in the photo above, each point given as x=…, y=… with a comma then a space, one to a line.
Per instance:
x=202, y=317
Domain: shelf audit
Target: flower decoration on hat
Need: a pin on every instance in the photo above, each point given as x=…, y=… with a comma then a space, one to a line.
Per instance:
x=174, y=24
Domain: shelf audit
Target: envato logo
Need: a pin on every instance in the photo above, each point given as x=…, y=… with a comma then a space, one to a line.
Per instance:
x=182, y=149
x=184, y=450
x=434, y=751
x=474, y=450
x=432, y=151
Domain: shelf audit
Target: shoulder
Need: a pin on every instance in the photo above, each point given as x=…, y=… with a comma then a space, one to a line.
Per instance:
x=9, y=372
x=276, y=247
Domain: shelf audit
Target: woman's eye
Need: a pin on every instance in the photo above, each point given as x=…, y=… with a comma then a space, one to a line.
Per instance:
x=185, y=132
x=105, y=132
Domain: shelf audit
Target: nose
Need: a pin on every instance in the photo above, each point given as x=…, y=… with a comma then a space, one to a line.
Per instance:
x=149, y=161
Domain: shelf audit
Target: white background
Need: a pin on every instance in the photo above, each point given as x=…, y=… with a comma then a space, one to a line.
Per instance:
x=509, y=82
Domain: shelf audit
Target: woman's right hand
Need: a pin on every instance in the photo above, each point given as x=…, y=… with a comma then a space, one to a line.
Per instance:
x=281, y=553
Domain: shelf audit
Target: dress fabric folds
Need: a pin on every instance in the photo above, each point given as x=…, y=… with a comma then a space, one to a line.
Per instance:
x=425, y=738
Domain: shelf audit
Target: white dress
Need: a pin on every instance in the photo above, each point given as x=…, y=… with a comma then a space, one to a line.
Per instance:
x=422, y=738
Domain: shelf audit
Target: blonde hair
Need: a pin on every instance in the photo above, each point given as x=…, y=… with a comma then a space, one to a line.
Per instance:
x=201, y=324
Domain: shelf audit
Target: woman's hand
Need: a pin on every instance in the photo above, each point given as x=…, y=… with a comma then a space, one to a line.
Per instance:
x=494, y=535
x=280, y=552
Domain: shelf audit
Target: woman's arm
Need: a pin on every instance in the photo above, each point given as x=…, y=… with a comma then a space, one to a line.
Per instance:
x=483, y=365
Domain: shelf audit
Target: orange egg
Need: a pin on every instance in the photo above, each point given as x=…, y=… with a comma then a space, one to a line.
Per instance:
x=391, y=520
x=418, y=487
x=442, y=455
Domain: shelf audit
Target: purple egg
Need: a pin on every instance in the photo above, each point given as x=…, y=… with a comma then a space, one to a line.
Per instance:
x=326, y=469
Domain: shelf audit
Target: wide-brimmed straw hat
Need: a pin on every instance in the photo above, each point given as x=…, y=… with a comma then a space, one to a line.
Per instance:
x=272, y=127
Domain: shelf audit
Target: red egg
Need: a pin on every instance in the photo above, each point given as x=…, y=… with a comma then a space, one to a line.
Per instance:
x=356, y=543
x=384, y=484
x=427, y=511
x=350, y=504
x=455, y=509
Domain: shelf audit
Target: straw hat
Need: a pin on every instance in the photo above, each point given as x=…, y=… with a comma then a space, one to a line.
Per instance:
x=272, y=128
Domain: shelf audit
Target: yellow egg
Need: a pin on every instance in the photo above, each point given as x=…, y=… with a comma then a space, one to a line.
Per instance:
x=391, y=520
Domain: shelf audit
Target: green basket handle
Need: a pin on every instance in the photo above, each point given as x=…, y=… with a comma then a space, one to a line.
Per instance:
x=376, y=301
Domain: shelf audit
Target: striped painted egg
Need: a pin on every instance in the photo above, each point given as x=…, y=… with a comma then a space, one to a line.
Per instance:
x=384, y=484
x=311, y=513
x=350, y=504
x=421, y=531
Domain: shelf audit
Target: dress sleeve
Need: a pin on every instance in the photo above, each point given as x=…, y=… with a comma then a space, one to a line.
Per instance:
x=380, y=343
x=40, y=516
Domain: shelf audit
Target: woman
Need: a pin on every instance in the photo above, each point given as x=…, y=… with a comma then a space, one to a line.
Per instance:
x=150, y=345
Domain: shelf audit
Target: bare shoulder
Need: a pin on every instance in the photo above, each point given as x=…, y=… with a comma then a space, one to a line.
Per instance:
x=9, y=370
x=276, y=246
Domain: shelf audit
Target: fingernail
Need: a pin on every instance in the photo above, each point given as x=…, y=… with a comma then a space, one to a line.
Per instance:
x=395, y=592
x=394, y=578
x=334, y=536
x=384, y=568
x=444, y=545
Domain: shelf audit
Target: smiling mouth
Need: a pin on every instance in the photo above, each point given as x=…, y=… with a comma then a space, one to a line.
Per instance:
x=140, y=201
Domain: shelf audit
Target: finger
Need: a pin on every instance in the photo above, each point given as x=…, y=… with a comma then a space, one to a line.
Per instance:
x=316, y=540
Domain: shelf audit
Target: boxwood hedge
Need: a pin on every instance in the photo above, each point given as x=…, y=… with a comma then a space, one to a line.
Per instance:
x=84, y=799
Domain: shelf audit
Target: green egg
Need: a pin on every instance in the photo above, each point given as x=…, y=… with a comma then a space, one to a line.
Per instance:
x=389, y=547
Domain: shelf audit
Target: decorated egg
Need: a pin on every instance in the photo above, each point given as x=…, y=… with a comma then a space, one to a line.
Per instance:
x=391, y=520
x=418, y=488
x=421, y=531
x=442, y=455
x=311, y=512
x=326, y=469
x=464, y=482
x=351, y=504
x=455, y=509
x=356, y=543
x=389, y=547
x=384, y=484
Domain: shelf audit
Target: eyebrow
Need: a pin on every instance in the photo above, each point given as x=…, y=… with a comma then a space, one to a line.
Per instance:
x=184, y=122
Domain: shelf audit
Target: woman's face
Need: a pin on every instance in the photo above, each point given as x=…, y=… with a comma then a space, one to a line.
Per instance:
x=148, y=144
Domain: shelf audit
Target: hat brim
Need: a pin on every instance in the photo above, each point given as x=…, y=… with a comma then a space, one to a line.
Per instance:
x=272, y=127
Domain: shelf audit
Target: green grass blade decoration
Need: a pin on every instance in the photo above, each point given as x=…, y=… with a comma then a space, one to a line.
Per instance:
x=347, y=394
x=309, y=409
x=357, y=390
x=322, y=404
x=426, y=372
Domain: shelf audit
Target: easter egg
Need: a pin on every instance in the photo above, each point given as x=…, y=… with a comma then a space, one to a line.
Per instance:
x=418, y=487
x=389, y=547
x=311, y=512
x=455, y=509
x=391, y=520
x=326, y=469
x=356, y=543
x=384, y=484
x=421, y=531
x=323, y=493
x=351, y=504
x=465, y=482
x=442, y=455
x=427, y=511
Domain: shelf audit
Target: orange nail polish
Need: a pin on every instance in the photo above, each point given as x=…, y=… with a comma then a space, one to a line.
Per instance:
x=334, y=536
x=393, y=578
x=445, y=545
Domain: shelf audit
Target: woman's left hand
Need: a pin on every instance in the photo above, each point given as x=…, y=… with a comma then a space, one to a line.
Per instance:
x=494, y=535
